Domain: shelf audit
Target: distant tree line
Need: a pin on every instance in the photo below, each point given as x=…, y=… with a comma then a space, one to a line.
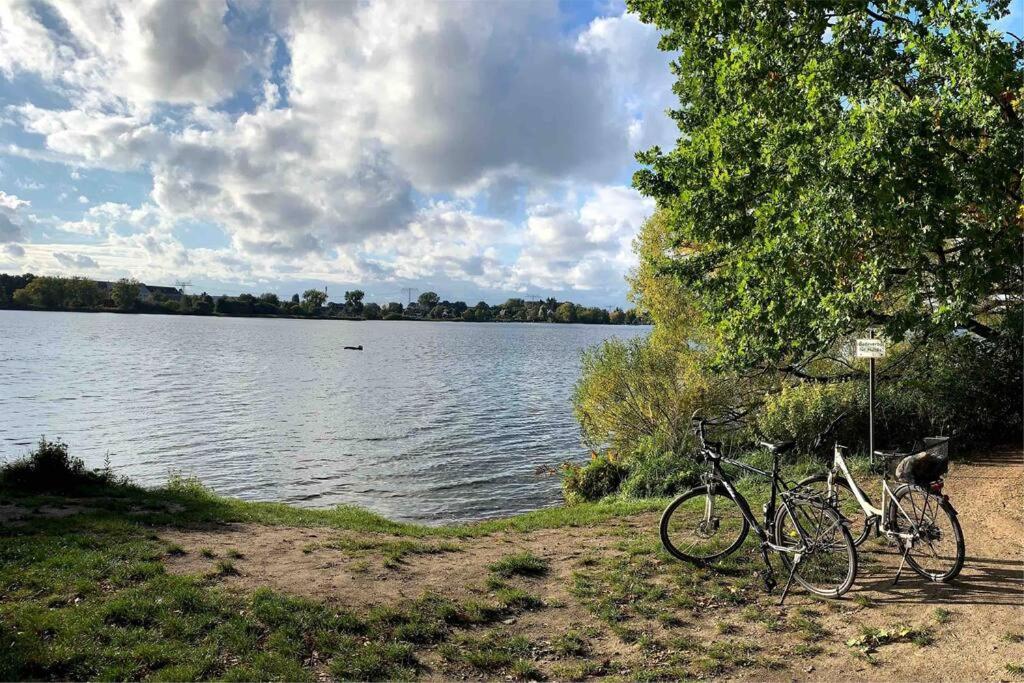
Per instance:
x=79, y=293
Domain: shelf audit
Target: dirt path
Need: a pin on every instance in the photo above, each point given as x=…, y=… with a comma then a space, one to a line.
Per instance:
x=640, y=613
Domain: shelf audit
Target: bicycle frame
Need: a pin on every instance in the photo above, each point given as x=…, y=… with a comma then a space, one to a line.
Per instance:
x=718, y=476
x=874, y=515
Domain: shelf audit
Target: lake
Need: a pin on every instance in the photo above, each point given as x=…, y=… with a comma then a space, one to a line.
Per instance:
x=432, y=422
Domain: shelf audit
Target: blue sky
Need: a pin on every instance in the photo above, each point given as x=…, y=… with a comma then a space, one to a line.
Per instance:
x=480, y=150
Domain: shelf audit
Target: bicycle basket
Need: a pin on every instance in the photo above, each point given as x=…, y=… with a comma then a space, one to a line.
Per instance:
x=927, y=465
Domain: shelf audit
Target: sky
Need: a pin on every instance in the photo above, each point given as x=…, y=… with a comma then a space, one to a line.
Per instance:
x=477, y=149
x=480, y=150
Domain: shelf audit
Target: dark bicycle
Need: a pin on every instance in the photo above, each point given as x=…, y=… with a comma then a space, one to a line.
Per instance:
x=711, y=521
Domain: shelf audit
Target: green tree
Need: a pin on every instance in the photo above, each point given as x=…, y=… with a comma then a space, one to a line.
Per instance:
x=313, y=300
x=428, y=300
x=372, y=311
x=840, y=165
x=565, y=313
x=82, y=293
x=354, y=301
x=125, y=293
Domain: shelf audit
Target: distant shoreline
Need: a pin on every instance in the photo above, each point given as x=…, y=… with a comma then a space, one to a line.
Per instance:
x=164, y=312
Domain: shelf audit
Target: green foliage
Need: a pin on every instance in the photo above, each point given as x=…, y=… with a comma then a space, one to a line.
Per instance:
x=313, y=300
x=59, y=292
x=125, y=293
x=599, y=477
x=840, y=166
x=655, y=472
x=521, y=564
x=50, y=469
x=801, y=412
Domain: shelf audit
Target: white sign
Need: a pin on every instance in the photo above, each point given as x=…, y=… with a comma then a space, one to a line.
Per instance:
x=870, y=348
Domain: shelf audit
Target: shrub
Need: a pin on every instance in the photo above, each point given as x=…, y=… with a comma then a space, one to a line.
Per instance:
x=801, y=412
x=393, y=316
x=657, y=472
x=49, y=468
x=643, y=388
x=596, y=479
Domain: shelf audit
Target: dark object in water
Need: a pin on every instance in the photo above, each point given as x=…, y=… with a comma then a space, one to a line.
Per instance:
x=354, y=348
x=922, y=468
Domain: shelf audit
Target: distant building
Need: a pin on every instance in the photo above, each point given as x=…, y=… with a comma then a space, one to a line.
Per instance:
x=147, y=293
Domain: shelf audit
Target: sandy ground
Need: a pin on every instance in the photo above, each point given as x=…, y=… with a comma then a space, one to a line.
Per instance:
x=986, y=603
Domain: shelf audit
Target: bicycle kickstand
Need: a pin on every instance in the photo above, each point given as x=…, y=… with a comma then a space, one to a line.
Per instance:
x=899, y=572
x=789, y=582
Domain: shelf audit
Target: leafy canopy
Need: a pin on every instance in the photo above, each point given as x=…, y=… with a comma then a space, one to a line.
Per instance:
x=840, y=164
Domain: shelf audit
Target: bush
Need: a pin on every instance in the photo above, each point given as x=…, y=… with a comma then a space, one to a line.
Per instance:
x=801, y=412
x=393, y=316
x=643, y=389
x=656, y=472
x=596, y=479
x=49, y=468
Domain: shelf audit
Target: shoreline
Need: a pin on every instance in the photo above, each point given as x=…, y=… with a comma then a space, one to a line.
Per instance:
x=38, y=309
x=113, y=581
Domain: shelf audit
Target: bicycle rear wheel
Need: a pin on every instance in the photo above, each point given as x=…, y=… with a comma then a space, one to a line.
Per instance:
x=937, y=549
x=844, y=502
x=703, y=527
x=826, y=563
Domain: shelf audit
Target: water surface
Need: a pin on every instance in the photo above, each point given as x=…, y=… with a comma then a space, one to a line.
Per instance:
x=431, y=422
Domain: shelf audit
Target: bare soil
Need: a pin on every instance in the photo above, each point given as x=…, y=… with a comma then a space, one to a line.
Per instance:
x=976, y=633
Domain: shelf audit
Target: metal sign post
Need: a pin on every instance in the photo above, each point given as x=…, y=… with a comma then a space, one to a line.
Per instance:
x=871, y=349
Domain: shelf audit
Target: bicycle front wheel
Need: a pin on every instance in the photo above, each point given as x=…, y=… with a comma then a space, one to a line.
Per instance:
x=822, y=547
x=703, y=526
x=936, y=549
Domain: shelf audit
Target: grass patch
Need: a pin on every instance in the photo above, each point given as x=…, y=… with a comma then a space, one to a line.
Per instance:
x=577, y=671
x=862, y=600
x=174, y=550
x=516, y=598
x=225, y=568
x=492, y=653
x=1013, y=637
x=234, y=554
x=572, y=643
x=1015, y=669
x=395, y=552
x=521, y=564
x=207, y=553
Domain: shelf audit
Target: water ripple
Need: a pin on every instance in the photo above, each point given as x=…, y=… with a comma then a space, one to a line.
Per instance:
x=434, y=422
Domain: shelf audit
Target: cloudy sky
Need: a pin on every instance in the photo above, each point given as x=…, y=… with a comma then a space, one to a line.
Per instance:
x=478, y=149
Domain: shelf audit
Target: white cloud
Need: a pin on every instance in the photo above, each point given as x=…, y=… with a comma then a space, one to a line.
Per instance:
x=74, y=261
x=14, y=251
x=150, y=51
x=382, y=104
x=11, y=202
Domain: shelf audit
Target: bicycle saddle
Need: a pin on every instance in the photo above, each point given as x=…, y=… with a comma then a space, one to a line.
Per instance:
x=779, y=447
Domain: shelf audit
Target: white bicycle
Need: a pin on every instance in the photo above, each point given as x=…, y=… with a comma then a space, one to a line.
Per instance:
x=916, y=516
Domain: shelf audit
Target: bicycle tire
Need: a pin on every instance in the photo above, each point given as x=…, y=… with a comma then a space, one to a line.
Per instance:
x=941, y=504
x=721, y=494
x=836, y=525
x=859, y=530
